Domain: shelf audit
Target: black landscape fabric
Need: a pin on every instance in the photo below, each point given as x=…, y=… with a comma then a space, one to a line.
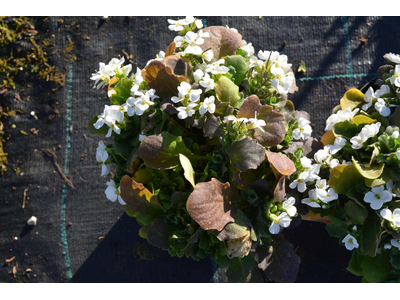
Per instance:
x=83, y=237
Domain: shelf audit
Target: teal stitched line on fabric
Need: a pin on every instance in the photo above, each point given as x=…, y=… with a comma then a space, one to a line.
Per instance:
x=64, y=239
x=349, y=59
x=335, y=76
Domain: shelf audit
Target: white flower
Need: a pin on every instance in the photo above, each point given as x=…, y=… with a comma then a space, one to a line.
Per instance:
x=116, y=63
x=216, y=68
x=186, y=89
x=208, y=55
x=104, y=75
x=143, y=103
x=178, y=24
x=391, y=217
x=277, y=222
x=185, y=112
x=382, y=107
x=395, y=134
x=207, y=105
x=395, y=243
x=282, y=82
x=207, y=82
x=350, y=242
x=138, y=76
x=198, y=74
x=194, y=41
x=255, y=62
x=369, y=131
x=377, y=196
x=179, y=40
x=357, y=142
x=333, y=163
x=398, y=154
x=300, y=182
x=303, y=131
x=394, y=58
x=101, y=157
x=368, y=97
x=135, y=90
x=248, y=47
x=395, y=79
x=387, y=246
x=112, y=193
x=329, y=196
x=180, y=98
x=265, y=55
x=340, y=116
x=254, y=123
x=288, y=205
x=314, y=171
x=321, y=187
x=312, y=200
x=305, y=162
x=111, y=115
x=385, y=89
x=390, y=187
x=322, y=155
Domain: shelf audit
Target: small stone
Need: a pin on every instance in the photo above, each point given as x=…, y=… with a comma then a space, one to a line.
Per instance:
x=32, y=221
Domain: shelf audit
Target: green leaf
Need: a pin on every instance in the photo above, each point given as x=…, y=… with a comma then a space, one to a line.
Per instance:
x=240, y=65
x=188, y=169
x=102, y=131
x=158, y=234
x=244, y=270
x=122, y=148
x=343, y=177
x=395, y=260
x=345, y=129
x=381, y=180
x=162, y=151
x=370, y=236
x=123, y=91
x=371, y=172
x=353, y=98
x=227, y=91
x=355, y=263
x=376, y=269
x=355, y=212
x=246, y=154
x=335, y=231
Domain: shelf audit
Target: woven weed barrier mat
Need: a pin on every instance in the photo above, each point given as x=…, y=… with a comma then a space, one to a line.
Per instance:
x=83, y=237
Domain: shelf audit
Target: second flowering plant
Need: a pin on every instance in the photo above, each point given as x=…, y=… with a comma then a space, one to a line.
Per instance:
x=358, y=185
x=204, y=138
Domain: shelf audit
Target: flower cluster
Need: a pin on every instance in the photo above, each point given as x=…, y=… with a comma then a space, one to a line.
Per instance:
x=358, y=186
x=206, y=126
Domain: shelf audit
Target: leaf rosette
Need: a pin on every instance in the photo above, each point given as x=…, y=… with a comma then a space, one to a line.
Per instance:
x=204, y=140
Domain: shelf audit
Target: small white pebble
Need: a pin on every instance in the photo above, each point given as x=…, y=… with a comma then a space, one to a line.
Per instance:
x=32, y=221
x=32, y=113
x=15, y=238
x=21, y=68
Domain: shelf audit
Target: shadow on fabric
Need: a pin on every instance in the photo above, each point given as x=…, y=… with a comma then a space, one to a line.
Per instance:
x=123, y=256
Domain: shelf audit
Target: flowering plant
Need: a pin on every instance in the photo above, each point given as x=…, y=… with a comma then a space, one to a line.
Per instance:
x=358, y=185
x=201, y=141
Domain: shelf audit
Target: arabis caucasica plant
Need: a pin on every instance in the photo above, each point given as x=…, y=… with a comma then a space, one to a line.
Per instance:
x=203, y=139
x=357, y=185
